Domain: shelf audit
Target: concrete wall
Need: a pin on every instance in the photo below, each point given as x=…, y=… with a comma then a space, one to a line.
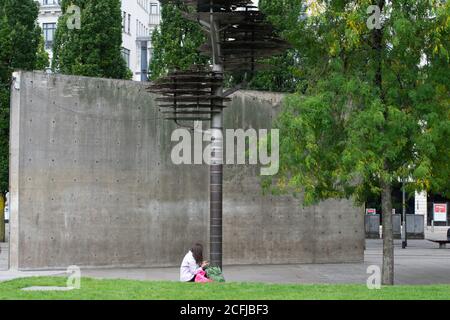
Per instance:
x=415, y=226
x=92, y=184
x=372, y=226
x=397, y=226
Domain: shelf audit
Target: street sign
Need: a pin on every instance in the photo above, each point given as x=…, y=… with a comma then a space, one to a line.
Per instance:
x=371, y=211
x=440, y=212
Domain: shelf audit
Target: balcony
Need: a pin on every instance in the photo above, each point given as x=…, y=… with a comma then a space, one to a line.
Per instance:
x=155, y=19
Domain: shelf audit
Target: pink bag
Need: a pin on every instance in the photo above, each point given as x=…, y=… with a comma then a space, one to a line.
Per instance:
x=201, y=277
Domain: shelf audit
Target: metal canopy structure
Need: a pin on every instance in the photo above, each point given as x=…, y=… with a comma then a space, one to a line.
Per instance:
x=238, y=37
x=189, y=95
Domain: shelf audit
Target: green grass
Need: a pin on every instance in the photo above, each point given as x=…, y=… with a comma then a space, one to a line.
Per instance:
x=92, y=289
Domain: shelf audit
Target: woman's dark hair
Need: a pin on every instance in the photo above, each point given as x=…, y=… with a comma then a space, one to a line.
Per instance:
x=197, y=252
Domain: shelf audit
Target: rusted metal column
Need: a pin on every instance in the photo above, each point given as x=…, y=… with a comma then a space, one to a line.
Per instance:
x=216, y=184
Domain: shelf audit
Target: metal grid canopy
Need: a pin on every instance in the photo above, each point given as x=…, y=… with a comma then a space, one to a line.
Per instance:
x=244, y=44
x=207, y=5
x=244, y=35
x=189, y=95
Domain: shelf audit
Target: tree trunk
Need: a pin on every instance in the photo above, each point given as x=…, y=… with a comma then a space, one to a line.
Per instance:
x=388, y=236
x=386, y=194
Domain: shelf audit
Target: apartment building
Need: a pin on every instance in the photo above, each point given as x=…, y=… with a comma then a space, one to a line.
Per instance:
x=139, y=19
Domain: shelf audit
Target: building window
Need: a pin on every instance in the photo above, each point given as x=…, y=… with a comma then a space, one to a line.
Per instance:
x=154, y=13
x=154, y=9
x=126, y=25
x=49, y=33
x=126, y=56
x=129, y=23
x=124, y=21
x=49, y=2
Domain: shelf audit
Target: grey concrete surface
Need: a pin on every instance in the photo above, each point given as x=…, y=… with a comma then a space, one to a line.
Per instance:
x=372, y=226
x=415, y=225
x=397, y=226
x=92, y=184
x=436, y=233
x=4, y=251
x=4, y=256
x=7, y=275
x=421, y=263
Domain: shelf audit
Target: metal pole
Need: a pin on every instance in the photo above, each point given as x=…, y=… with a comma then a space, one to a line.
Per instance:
x=406, y=217
x=405, y=231
x=216, y=168
x=2, y=219
x=216, y=186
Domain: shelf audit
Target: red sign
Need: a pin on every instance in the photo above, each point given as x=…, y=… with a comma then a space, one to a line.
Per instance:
x=440, y=212
x=371, y=211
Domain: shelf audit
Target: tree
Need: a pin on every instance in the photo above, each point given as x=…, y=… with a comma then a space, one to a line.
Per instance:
x=279, y=74
x=176, y=42
x=95, y=48
x=376, y=107
x=42, y=59
x=19, y=41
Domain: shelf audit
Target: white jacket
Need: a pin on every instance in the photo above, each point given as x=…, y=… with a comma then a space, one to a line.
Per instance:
x=189, y=268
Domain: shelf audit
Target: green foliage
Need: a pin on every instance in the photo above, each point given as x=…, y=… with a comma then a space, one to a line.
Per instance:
x=280, y=74
x=376, y=106
x=42, y=60
x=95, y=49
x=19, y=42
x=284, y=14
x=215, y=274
x=4, y=138
x=176, y=42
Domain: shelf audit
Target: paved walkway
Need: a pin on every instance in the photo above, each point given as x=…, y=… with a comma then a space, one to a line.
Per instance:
x=4, y=250
x=421, y=263
x=11, y=274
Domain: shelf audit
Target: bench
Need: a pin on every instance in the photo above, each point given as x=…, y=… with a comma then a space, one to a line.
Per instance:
x=442, y=243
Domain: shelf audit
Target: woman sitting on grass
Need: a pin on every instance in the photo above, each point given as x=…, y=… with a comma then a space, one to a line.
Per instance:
x=192, y=264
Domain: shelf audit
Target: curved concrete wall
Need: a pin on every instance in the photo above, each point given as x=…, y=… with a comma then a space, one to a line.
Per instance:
x=92, y=184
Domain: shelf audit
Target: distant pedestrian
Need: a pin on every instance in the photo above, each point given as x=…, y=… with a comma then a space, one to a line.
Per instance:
x=192, y=263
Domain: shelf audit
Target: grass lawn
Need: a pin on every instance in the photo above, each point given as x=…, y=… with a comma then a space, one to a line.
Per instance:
x=93, y=289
